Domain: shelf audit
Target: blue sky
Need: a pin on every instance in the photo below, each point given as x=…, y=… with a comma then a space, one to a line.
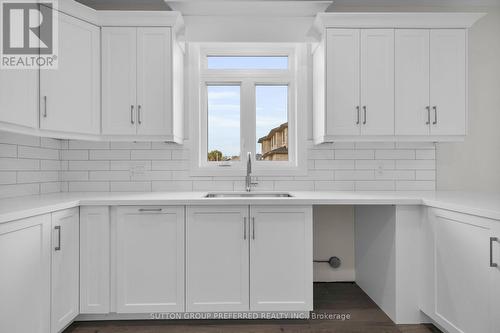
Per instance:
x=224, y=115
x=224, y=104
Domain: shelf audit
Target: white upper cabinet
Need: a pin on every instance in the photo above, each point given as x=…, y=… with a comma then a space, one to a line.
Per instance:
x=19, y=97
x=448, y=85
x=377, y=82
x=119, y=80
x=412, y=82
x=154, y=81
x=139, y=97
x=390, y=76
x=342, y=81
x=70, y=94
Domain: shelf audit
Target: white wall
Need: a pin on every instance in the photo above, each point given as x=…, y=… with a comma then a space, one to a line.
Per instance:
x=475, y=164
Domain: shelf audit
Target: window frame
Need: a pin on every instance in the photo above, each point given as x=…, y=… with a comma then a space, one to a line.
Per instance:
x=294, y=77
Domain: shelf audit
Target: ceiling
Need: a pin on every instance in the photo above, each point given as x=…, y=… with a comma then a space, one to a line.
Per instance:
x=337, y=4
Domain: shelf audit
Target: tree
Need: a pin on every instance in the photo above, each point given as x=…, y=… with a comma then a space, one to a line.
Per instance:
x=215, y=155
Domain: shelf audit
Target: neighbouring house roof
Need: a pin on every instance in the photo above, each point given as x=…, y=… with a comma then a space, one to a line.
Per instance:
x=279, y=150
x=274, y=130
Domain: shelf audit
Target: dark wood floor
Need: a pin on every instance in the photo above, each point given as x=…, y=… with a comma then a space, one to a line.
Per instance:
x=339, y=298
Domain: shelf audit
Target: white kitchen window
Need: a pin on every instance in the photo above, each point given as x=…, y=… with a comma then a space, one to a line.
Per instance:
x=249, y=100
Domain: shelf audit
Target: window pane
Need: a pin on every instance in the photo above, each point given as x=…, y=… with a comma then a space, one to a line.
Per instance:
x=272, y=122
x=223, y=123
x=241, y=62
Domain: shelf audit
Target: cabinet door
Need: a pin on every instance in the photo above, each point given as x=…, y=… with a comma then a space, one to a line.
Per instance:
x=281, y=259
x=458, y=272
x=65, y=268
x=19, y=97
x=342, y=81
x=150, y=259
x=412, y=82
x=377, y=82
x=25, y=275
x=70, y=93
x=448, y=81
x=154, y=81
x=217, y=258
x=495, y=277
x=94, y=259
x=119, y=80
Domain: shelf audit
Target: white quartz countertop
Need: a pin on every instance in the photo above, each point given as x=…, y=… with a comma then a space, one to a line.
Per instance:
x=481, y=204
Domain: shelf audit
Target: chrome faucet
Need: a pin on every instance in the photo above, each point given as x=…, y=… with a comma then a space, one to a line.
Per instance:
x=248, y=178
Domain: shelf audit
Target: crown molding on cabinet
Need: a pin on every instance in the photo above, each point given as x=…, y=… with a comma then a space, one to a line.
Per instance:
x=393, y=20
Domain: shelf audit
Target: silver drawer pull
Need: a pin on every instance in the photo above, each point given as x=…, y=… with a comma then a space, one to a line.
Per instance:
x=150, y=209
x=45, y=106
x=139, y=118
x=244, y=228
x=492, y=239
x=58, y=247
x=357, y=111
x=132, y=115
x=435, y=108
x=253, y=228
x=364, y=113
x=428, y=108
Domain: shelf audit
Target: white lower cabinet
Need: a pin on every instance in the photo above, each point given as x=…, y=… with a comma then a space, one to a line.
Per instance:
x=149, y=259
x=65, y=268
x=217, y=258
x=94, y=260
x=25, y=275
x=242, y=258
x=460, y=281
x=281, y=258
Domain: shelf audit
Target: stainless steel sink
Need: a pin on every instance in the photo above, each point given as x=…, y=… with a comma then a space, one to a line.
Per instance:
x=248, y=195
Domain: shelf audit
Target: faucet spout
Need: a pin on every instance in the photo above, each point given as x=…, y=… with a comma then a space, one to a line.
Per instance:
x=248, y=178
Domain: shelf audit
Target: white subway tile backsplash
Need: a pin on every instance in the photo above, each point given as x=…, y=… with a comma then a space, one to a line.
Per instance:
x=362, y=154
x=37, y=176
x=155, y=154
x=108, y=155
x=17, y=190
x=14, y=164
x=88, y=186
x=172, y=185
x=375, y=185
x=8, y=177
x=37, y=153
x=7, y=150
x=131, y=186
x=416, y=164
x=61, y=165
x=88, y=165
x=395, y=154
x=354, y=175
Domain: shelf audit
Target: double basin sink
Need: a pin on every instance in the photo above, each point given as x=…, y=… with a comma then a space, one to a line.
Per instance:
x=248, y=195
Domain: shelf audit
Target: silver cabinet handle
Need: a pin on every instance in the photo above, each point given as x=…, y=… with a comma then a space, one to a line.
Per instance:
x=492, y=239
x=139, y=120
x=132, y=115
x=245, y=228
x=357, y=111
x=58, y=247
x=45, y=106
x=253, y=227
x=150, y=209
x=364, y=115
x=435, y=108
x=428, y=108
